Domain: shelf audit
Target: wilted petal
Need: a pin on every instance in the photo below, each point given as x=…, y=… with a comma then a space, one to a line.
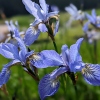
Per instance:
x=91, y=74
x=30, y=36
x=47, y=87
x=5, y=73
x=9, y=51
x=42, y=27
x=48, y=58
x=56, y=28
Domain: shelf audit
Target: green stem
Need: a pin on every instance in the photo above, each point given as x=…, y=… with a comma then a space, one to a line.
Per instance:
x=64, y=85
x=50, y=33
x=95, y=51
x=55, y=46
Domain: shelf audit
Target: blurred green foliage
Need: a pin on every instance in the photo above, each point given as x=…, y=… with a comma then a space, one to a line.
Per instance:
x=21, y=86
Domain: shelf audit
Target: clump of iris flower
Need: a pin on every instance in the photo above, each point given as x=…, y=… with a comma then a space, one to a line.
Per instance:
x=91, y=34
x=42, y=21
x=75, y=14
x=12, y=28
x=18, y=55
x=93, y=19
x=69, y=62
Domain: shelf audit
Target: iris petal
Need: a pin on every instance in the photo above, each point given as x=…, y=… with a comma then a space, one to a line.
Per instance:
x=48, y=58
x=70, y=11
x=51, y=14
x=74, y=51
x=42, y=27
x=65, y=54
x=33, y=9
x=56, y=27
x=94, y=14
x=9, y=51
x=91, y=74
x=47, y=87
x=73, y=7
x=90, y=18
x=5, y=73
x=30, y=36
x=43, y=6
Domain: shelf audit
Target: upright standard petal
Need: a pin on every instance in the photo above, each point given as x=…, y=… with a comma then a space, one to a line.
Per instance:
x=5, y=73
x=9, y=51
x=33, y=9
x=48, y=58
x=90, y=18
x=85, y=27
x=94, y=14
x=75, y=58
x=43, y=6
x=70, y=11
x=21, y=45
x=65, y=54
x=73, y=7
x=74, y=51
x=91, y=74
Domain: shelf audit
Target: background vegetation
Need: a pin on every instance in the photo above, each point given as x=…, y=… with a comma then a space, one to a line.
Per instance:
x=21, y=86
x=15, y=7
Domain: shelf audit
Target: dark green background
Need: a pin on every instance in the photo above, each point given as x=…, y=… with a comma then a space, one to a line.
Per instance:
x=15, y=7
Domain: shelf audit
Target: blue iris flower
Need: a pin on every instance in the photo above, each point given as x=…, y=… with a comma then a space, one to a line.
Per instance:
x=75, y=13
x=68, y=61
x=42, y=16
x=94, y=19
x=13, y=27
x=91, y=34
x=18, y=55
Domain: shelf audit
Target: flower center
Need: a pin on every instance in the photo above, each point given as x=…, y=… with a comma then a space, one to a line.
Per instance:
x=35, y=57
x=87, y=69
